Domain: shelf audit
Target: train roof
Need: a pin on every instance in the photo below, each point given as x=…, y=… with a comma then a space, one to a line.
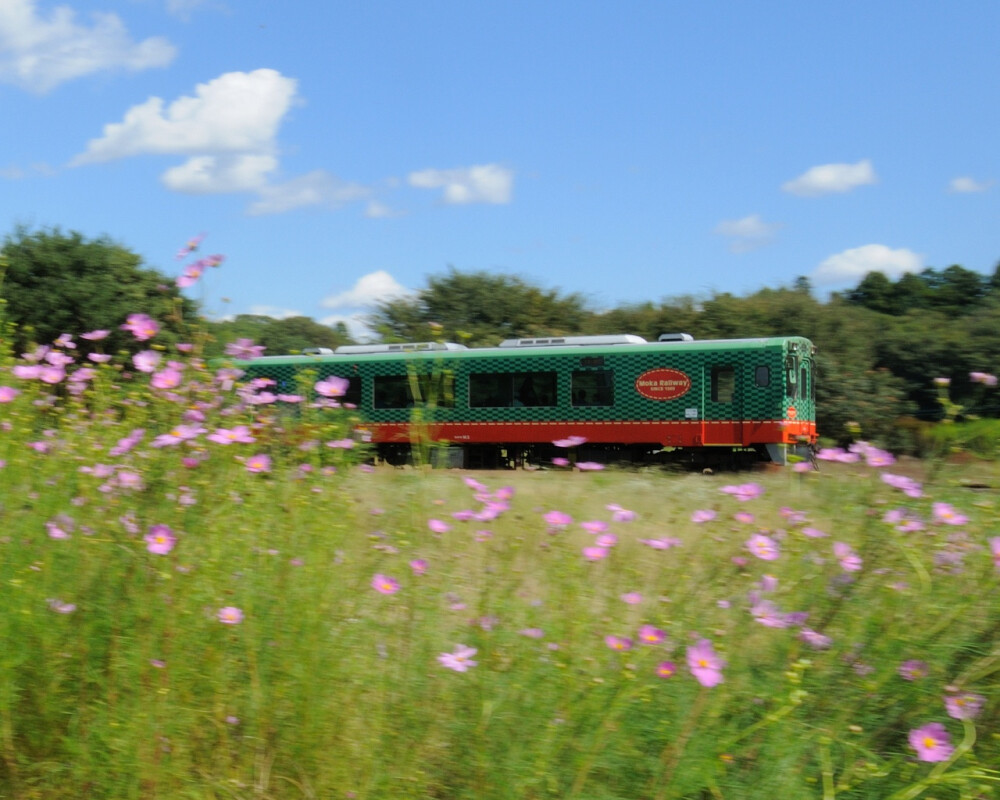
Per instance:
x=604, y=345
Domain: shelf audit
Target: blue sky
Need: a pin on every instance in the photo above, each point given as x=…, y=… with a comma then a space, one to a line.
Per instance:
x=342, y=152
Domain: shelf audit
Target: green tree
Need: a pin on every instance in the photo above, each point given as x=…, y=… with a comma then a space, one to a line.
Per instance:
x=55, y=283
x=278, y=336
x=479, y=308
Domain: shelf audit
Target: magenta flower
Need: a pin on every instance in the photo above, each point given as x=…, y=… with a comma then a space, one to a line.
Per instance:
x=238, y=435
x=245, y=349
x=460, y=660
x=744, y=491
x=589, y=466
x=438, y=526
x=946, y=513
x=166, y=379
x=594, y=526
x=569, y=441
x=160, y=540
x=764, y=547
x=666, y=669
x=632, y=598
x=190, y=246
x=606, y=540
x=705, y=664
x=745, y=517
x=146, y=360
x=965, y=705
x=620, y=643
x=142, y=326
x=419, y=566
x=8, y=393
x=849, y=560
x=178, y=434
x=703, y=515
x=557, y=519
x=258, y=463
x=230, y=615
x=594, y=553
x=560, y=462
x=995, y=550
x=60, y=607
x=931, y=742
x=985, y=378
x=650, y=634
x=383, y=584
x=662, y=544
x=95, y=336
x=619, y=514
x=332, y=386
x=814, y=639
x=913, y=670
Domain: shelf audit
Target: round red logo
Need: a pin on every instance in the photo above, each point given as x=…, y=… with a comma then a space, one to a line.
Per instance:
x=792, y=413
x=662, y=384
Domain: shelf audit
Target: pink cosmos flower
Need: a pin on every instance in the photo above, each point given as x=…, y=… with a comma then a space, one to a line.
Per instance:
x=650, y=634
x=703, y=515
x=985, y=378
x=95, y=336
x=764, y=547
x=594, y=526
x=745, y=517
x=557, y=519
x=419, y=566
x=332, y=386
x=814, y=639
x=666, y=669
x=569, y=441
x=606, y=540
x=238, y=435
x=166, y=379
x=383, y=584
x=589, y=466
x=230, y=615
x=560, y=462
x=664, y=543
x=744, y=491
x=146, y=360
x=619, y=514
x=438, y=526
x=258, y=463
x=931, y=742
x=190, y=246
x=178, y=434
x=964, y=705
x=142, y=326
x=705, y=664
x=946, y=513
x=532, y=633
x=594, y=553
x=460, y=660
x=619, y=643
x=849, y=560
x=245, y=349
x=160, y=540
x=60, y=607
x=8, y=393
x=913, y=670
x=632, y=598
x=995, y=550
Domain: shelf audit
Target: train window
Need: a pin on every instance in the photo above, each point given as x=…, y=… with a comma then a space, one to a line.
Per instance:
x=405, y=391
x=762, y=376
x=804, y=379
x=353, y=394
x=593, y=387
x=792, y=377
x=723, y=384
x=506, y=389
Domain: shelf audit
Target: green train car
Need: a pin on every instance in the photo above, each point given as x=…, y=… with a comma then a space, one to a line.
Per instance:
x=708, y=402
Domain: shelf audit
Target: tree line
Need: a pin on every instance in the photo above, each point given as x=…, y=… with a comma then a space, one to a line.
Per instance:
x=880, y=346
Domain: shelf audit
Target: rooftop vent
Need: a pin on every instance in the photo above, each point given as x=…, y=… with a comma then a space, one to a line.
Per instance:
x=317, y=351
x=675, y=337
x=583, y=341
x=408, y=347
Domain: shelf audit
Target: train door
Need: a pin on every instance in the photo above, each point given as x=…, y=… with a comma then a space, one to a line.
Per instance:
x=723, y=416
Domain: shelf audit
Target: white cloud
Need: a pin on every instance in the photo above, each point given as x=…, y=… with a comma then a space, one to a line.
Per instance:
x=377, y=210
x=316, y=188
x=238, y=112
x=215, y=174
x=274, y=312
x=483, y=183
x=38, y=53
x=183, y=8
x=966, y=184
x=367, y=291
x=747, y=233
x=831, y=179
x=357, y=325
x=851, y=265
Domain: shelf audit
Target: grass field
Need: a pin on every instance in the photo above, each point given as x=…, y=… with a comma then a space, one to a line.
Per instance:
x=253, y=613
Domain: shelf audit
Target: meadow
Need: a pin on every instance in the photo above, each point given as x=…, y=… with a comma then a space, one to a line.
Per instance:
x=207, y=593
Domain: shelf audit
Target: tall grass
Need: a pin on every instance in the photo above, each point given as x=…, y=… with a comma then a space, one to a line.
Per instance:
x=248, y=651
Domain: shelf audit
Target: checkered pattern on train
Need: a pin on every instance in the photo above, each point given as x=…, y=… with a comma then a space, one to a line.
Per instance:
x=750, y=402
